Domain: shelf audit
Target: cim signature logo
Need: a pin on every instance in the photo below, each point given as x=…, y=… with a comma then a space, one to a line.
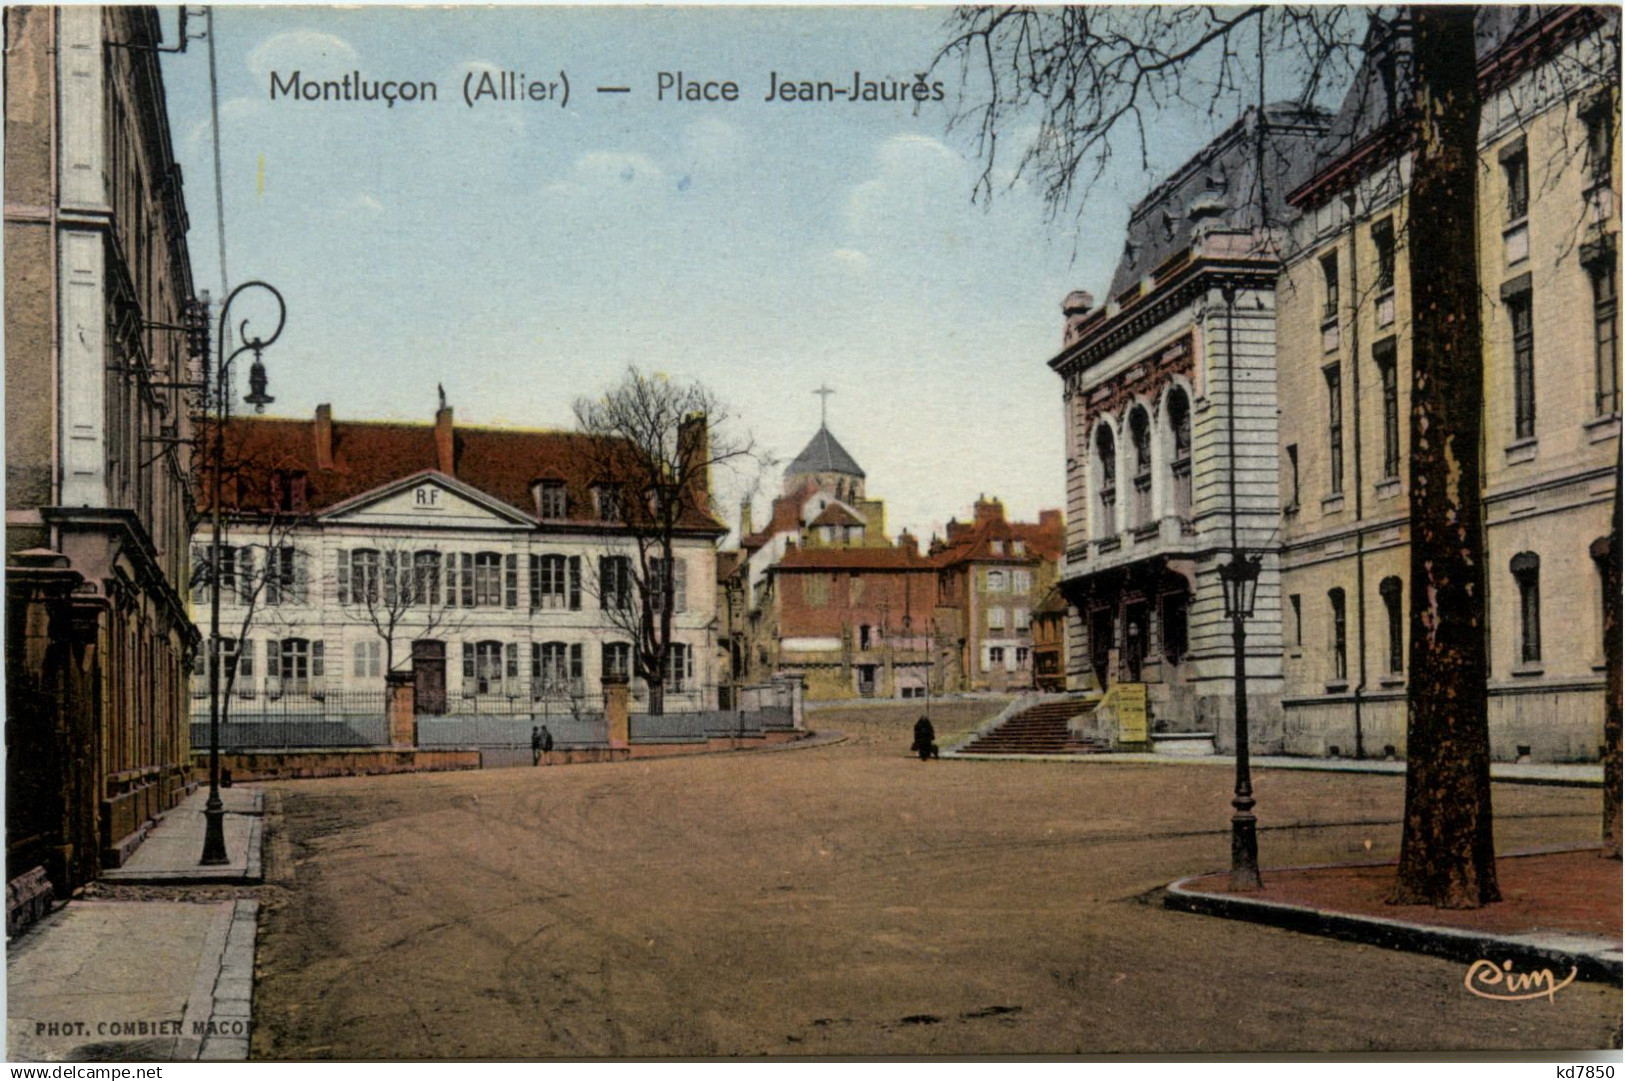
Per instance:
x=1486, y=979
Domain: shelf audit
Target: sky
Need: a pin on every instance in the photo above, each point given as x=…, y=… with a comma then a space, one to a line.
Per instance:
x=522, y=254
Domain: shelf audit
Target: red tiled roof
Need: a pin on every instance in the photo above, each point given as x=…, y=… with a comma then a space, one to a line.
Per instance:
x=501, y=462
x=835, y=514
x=786, y=516
x=972, y=543
x=844, y=559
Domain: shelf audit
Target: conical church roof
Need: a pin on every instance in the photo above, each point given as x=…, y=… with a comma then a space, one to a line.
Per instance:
x=824, y=455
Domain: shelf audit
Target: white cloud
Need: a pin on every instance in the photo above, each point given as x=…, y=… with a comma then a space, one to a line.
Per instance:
x=616, y=167
x=850, y=259
x=712, y=146
x=914, y=176
x=307, y=51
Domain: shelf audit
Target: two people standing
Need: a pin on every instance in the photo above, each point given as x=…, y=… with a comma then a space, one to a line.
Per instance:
x=541, y=745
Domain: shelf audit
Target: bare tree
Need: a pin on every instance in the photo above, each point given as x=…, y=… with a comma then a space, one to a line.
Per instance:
x=392, y=586
x=1094, y=75
x=253, y=572
x=653, y=445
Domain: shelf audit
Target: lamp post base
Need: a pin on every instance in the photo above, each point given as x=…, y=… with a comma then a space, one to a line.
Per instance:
x=1244, y=877
x=214, y=834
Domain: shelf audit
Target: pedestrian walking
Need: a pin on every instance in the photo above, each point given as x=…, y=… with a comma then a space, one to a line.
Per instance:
x=535, y=746
x=924, y=739
x=547, y=745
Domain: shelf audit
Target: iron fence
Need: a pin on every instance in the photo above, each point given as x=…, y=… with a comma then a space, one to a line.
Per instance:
x=511, y=732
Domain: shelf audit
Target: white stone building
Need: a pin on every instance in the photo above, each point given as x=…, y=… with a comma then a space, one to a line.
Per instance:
x=1171, y=414
x=484, y=561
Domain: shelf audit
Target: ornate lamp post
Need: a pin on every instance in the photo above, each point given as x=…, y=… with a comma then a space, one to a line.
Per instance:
x=1240, y=580
x=214, y=813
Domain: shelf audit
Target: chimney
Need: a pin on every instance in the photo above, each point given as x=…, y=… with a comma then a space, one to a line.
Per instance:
x=745, y=529
x=908, y=542
x=445, y=442
x=989, y=510
x=1074, y=310
x=694, y=445
x=324, y=436
x=1050, y=522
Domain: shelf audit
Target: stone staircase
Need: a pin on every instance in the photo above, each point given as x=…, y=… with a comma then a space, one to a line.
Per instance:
x=1040, y=729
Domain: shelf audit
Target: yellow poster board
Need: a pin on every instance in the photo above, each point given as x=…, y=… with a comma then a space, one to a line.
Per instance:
x=1129, y=705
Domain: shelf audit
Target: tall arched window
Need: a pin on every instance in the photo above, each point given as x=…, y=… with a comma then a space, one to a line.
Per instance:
x=1392, y=590
x=1526, y=572
x=1340, y=635
x=1139, y=429
x=1179, y=468
x=1106, y=503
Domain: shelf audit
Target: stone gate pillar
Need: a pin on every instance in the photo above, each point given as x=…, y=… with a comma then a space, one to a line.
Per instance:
x=618, y=710
x=400, y=706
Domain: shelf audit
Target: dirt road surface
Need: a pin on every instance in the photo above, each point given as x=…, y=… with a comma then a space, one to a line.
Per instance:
x=847, y=900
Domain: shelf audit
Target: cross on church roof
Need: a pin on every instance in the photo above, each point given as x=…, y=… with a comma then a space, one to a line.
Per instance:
x=823, y=393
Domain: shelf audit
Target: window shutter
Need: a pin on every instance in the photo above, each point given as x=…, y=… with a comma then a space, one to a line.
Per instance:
x=511, y=657
x=391, y=571
x=344, y=576
x=535, y=582
x=575, y=660
x=679, y=588
x=317, y=657
x=244, y=566
x=511, y=581
x=301, y=575
x=575, y=583
x=688, y=662
x=201, y=573
x=468, y=579
x=535, y=657
x=604, y=584
x=468, y=662
x=273, y=658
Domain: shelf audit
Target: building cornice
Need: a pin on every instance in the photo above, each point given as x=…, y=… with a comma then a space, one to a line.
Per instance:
x=1183, y=283
x=126, y=527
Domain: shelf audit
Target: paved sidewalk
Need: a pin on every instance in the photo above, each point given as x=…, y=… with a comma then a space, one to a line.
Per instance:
x=127, y=981
x=169, y=855
x=1584, y=774
x=1560, y=909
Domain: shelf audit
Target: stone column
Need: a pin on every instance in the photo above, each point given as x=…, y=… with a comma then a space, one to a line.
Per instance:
x=798, y=694
x=401, y=707
x=618, y=710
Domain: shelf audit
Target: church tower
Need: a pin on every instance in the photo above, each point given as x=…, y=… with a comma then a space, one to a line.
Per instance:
x=827, y=464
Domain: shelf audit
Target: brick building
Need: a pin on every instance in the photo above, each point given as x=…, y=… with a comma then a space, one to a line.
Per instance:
x=991, y=576
x=819, y=590
x=98, y=496
x=1548, y=213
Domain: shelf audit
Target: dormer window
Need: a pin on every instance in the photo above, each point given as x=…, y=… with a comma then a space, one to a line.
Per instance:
x=289, y=491
x=1018, y=547
x=552, y=499
x=996, y=547
x=607, y=503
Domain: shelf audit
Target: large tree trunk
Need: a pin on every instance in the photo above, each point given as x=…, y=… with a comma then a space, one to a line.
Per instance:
x=1611, y=642
x=1447, y=855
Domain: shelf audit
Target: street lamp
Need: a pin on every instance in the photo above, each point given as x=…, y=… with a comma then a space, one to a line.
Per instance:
x=1239, y=578
x=214, y=812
